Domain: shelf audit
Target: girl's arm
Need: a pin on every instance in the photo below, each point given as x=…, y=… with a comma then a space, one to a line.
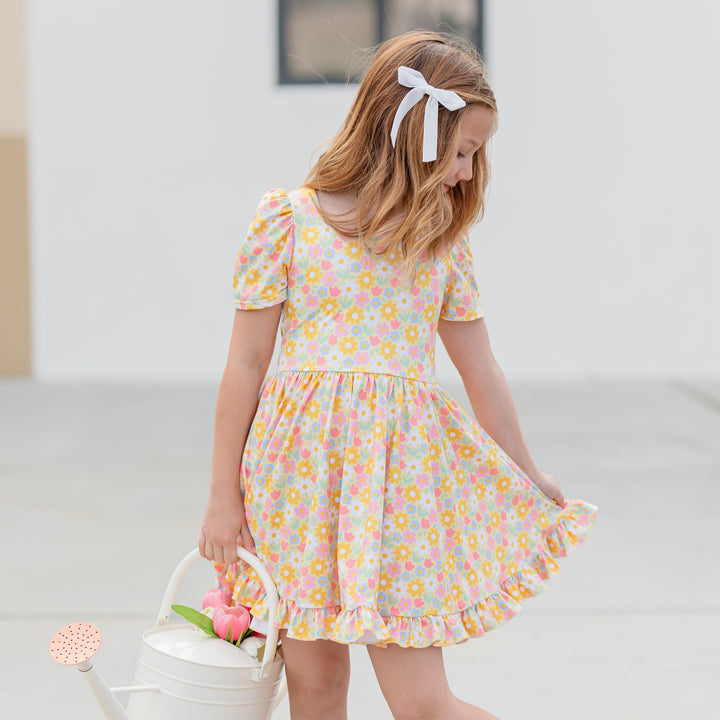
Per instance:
x=251, y=349
x=468, y=346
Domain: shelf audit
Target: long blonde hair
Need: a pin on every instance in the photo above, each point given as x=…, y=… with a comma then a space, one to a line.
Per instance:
x=401, y=203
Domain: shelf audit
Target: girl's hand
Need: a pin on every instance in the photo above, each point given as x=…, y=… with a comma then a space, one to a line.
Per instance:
x=224, y=528
x=548, y=485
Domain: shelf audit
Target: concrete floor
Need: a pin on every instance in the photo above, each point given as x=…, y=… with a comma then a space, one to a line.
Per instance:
x=103, y=488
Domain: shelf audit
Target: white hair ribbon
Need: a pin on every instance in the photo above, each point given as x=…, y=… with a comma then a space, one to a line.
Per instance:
x=419, y=88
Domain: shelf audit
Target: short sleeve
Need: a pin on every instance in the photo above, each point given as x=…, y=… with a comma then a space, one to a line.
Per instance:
x=461, y=300
x=261, y=267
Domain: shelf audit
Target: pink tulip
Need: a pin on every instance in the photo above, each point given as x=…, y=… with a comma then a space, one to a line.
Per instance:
x=218, y=596
x=230, y=623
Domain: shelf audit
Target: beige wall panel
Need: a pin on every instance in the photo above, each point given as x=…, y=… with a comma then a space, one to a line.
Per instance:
x=15, y=356
x=13, y=118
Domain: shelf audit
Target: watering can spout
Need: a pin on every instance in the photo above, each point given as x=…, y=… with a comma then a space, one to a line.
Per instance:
x=76, y=645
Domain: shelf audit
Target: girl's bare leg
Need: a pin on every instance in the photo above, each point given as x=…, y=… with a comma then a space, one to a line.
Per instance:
x=415, y=686
x=318, y=675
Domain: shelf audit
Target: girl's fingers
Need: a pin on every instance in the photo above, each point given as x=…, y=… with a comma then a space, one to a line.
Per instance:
x=246, y=539
x=205, y=551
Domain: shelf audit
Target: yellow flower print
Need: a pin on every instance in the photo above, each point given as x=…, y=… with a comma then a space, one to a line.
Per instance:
x=402, y=552
x=287, y=574
x=447, y=484
x=259, y=227
x=466, y=451
x=349, y=345
x=389, y=311
x=401, y=521
x=317, y=597
x=330, y=306
x=480, y=490
x=387, y=349
x=354, y=316
x=503, y=484
x=411, y=494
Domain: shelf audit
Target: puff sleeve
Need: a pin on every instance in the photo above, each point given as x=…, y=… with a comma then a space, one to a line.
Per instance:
x=461, y=300
x=261, y=267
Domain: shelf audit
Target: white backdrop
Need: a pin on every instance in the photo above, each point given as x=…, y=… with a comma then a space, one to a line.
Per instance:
x=156, y=125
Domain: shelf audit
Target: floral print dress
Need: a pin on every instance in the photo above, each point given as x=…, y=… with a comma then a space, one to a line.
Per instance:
x=383, y=511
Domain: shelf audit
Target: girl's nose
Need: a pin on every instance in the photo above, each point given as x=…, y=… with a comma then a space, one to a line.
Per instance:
x=465, y=172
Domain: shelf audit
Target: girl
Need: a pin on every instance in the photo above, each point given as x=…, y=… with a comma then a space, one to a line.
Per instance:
x=385, y=513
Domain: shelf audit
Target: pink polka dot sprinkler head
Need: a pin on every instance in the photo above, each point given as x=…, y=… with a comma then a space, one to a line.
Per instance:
x=76, y=645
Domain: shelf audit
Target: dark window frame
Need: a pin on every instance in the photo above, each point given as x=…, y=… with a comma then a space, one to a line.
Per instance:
x=285, y=78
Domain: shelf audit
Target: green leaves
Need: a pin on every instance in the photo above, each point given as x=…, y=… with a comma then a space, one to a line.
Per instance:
x=196, y=618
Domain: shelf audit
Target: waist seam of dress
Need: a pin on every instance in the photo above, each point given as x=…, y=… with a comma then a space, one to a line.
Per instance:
x=331, y=371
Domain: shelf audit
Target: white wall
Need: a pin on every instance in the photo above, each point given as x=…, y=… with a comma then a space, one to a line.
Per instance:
x=600, y=251
x=156, y=125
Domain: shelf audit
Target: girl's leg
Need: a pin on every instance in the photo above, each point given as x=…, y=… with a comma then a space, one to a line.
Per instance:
x=318, y=675
x=415, y=686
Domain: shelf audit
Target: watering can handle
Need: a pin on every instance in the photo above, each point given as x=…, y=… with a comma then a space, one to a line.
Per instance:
x=270, y=590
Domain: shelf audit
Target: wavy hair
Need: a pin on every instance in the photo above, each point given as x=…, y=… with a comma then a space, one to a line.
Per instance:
x=401, y=203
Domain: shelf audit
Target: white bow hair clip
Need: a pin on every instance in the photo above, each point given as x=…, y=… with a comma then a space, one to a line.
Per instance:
x=419, y=88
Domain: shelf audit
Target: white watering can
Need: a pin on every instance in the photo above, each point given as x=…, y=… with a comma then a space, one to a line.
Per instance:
x=182, y=673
